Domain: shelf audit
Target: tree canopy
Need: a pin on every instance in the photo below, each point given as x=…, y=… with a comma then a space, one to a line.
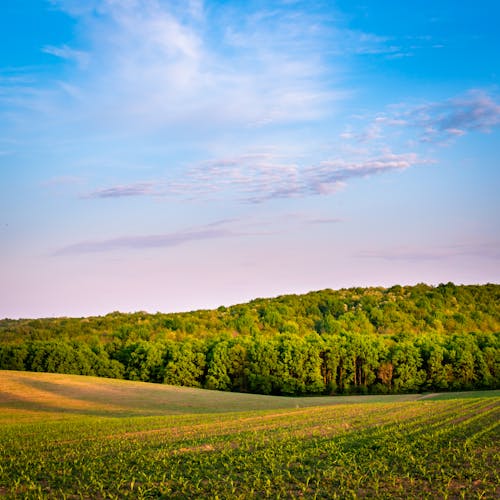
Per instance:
x=358, y=340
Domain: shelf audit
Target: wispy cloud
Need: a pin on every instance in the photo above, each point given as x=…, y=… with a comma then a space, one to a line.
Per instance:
x=151, y=64
x=325, y=220
x=121, y=191
x=209, y=232
x=369, y=133
x=366, y=44
x=489, y=250
x=445, y=120
x=436, y=123
x=339, y=171
x=64, y=52
x=456, y=117
x=167, y=67
x=273, y=223
x=362, y=43
x=249, y=177
x=257, y=178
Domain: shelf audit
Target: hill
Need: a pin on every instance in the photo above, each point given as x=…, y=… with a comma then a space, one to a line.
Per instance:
x=48, y=394
x=447, y=308
x=67, y=436
x=355, y=341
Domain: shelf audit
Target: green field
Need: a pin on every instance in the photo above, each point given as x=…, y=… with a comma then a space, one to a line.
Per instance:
x=64, y=436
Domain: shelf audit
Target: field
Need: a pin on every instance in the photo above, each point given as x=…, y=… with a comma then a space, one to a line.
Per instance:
x=65, y=436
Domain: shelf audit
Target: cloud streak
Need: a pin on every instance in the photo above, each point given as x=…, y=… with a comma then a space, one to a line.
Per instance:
x=326, y=221
x=256, y=178
x=439, y=122
x=64, y=52
x=259, y=178
x=481, y=250
x=329, y=175
x=124, y=191
x=476, y=111
x=167, y=240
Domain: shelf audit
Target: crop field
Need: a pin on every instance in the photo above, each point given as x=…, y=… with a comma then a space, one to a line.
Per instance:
x=67, y=436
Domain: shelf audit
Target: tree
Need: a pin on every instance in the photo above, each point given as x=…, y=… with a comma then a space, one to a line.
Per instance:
x=330, y=360
x=406, y=360
x=12, y=357
x=437, y=372
x=219, y=366
x=262, y=365
x=186, y=365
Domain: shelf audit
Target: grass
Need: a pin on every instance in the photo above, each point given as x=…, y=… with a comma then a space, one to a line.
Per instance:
x=66, y=436
x=75, y=394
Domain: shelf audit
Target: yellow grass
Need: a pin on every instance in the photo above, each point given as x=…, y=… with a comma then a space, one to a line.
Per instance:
x=51, y=395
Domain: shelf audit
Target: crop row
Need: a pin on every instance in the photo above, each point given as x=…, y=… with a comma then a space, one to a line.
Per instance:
x=446, y=449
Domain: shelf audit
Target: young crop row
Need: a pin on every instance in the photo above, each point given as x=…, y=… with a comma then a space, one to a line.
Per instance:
x=426, y=449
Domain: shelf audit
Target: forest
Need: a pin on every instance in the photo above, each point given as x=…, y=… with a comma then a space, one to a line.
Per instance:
x=351, y=341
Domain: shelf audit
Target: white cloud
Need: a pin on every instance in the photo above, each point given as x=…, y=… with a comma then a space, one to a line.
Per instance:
x=331, y=175
x=455, y=117
x=169, y=70
x=137, y=242
x=155, y=64
x=257, y=178
x=121, y=191
x=65, y=52
x=441, y=121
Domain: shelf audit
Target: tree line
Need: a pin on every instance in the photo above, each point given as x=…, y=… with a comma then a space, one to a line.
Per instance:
x=355, y=341
x=283, y=364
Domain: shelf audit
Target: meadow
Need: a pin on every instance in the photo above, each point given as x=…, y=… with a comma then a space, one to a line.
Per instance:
x=68, y=436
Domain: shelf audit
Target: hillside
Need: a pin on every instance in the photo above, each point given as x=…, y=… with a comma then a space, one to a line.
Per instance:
x=53, y=394
x=355, y=341
x=67, y=436
x=422, y=308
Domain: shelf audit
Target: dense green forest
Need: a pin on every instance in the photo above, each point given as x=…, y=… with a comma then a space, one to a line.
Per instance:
x=358, y=340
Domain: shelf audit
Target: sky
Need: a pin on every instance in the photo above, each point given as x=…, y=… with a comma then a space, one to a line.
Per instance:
x=171, y=155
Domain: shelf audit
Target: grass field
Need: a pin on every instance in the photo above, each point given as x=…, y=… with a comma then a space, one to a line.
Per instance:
x=65, y=436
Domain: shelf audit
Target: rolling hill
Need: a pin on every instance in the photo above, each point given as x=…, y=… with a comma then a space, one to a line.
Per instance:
x=67, y=436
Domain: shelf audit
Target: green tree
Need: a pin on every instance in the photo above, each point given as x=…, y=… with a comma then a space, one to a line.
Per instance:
x=12, y=357
x=262, y=366
x=186, y=365
x=406, y=360
x=437, y=372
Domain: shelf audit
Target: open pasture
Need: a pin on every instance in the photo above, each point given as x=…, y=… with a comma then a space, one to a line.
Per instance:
x=78, y=437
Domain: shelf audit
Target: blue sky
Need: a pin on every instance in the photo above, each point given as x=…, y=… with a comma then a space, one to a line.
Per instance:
x=172, y=155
